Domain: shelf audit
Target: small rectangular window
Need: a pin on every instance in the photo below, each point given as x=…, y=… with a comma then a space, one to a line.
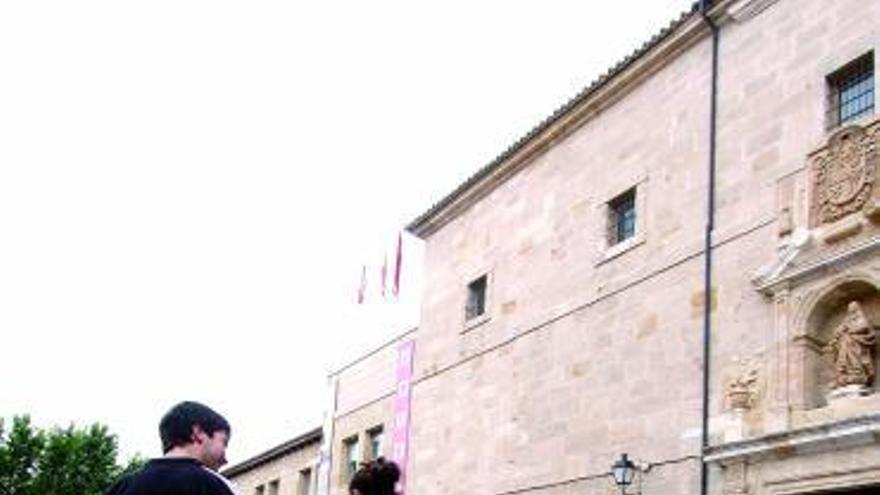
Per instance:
x=305, y=482
x=476, y=298
x=851, y=91
x=273, y=487
x=375, y=436
x=351, y=449
x=622, y=217
x=260, y=490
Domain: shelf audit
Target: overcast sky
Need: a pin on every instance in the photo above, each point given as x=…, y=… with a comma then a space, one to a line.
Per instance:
x=188, y=189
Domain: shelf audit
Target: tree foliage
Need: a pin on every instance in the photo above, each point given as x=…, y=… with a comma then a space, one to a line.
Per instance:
x=60, y=461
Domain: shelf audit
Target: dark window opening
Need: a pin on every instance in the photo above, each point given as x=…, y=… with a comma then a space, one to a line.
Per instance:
x=352, y=458
x=476, y=298
x=305, y=482
x=622, y=217
x=375, y=436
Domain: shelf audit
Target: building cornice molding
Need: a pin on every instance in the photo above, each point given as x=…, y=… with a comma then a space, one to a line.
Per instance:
x=782, y=274
x=300, y=442
x=864, y=430
x=744, y=10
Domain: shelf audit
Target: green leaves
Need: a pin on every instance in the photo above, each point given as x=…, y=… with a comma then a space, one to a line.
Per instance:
x=69, y=461
x=19, y=453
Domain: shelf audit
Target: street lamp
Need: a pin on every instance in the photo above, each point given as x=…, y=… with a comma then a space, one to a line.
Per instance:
x=623, y=471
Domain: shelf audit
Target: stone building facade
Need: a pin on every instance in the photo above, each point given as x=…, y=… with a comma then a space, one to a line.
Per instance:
x=286, y=469
x=363, y=414
x=359, y=428
x=565, y=303
x=565, y=309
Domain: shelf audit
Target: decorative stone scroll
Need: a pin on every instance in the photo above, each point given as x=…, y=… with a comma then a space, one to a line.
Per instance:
x=851, y=348
x=844, y=174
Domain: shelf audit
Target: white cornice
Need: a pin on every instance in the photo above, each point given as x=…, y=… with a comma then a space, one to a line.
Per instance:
x=863, y=430
x=781, y=274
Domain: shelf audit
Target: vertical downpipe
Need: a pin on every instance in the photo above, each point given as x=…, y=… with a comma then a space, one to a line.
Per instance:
x=710, y=225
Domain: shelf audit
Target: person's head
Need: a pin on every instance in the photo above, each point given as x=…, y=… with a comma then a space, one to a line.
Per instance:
x=198, y=431
x=855, y=315
x=375, y=478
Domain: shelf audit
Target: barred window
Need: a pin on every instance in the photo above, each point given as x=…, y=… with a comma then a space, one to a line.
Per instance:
x=476, y=298
x=622, y=217
x=851, y=91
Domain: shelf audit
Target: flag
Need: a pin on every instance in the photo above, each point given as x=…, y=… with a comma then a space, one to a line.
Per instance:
x=362, y=290
x=398, y=263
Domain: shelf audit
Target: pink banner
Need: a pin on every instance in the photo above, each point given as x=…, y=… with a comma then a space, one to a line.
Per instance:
x=400, y=433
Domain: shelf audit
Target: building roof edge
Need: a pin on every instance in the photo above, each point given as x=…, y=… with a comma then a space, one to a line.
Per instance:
x=437, y=215
x=273, y=453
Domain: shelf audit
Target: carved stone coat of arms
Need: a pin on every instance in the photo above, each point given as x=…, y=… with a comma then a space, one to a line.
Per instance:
x=844, y=174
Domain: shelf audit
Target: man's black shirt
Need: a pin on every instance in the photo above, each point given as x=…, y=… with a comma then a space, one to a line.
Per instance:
x=172, y=476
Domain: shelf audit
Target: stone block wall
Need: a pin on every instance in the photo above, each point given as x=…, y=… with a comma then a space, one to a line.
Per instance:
x=587, y=352
x=287, y=469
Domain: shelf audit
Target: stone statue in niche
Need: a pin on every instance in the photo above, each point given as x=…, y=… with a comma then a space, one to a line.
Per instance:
x=843, y=175
x=851, y=349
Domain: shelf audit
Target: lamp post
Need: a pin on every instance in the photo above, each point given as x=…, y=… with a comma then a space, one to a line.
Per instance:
x=623, y=470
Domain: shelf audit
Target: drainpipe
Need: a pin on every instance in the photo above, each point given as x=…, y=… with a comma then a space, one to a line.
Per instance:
x=704, y=7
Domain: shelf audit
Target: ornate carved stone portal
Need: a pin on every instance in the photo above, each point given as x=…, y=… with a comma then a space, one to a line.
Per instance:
x=844, y=174
x=851, y=349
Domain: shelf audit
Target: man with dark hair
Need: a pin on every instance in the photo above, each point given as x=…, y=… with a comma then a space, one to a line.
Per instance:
x=194, y=439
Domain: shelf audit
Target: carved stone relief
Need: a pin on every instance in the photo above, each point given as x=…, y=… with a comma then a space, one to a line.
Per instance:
x=851, y=349
x=742, y=387
x=735, y=479
x=844, y=175
x=832, y=354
